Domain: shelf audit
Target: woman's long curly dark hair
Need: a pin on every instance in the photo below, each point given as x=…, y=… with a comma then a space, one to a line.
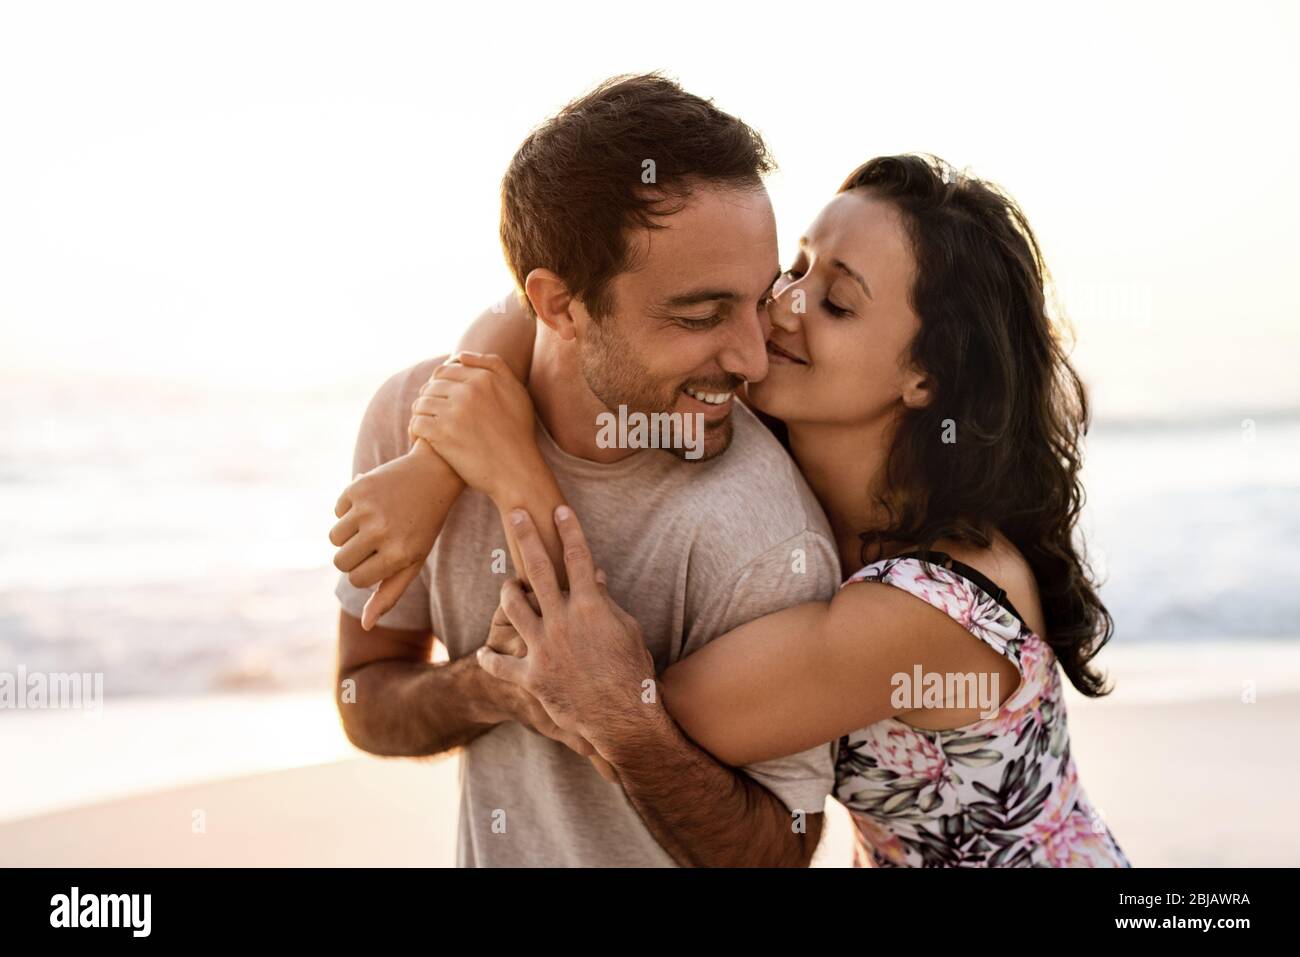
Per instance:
x=1003, y=381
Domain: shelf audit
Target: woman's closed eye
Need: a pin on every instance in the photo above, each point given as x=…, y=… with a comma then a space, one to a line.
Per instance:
x=796, y=272
x=839, y=312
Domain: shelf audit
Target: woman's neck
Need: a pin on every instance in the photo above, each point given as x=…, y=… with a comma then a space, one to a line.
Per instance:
x=845, y=466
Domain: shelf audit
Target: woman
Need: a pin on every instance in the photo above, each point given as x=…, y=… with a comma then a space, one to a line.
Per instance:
x=916, y=380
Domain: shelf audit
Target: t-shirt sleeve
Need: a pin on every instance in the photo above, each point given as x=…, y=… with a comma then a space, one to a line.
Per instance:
x=801, y=569
x=382, y=438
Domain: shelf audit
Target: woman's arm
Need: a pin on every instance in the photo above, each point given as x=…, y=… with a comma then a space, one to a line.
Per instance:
x=506, y=330
x=480, y=418
x=390, y=517
x=807, y=675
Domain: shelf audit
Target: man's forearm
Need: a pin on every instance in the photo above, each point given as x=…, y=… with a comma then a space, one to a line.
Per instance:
x=702, y=812
x=407, y=708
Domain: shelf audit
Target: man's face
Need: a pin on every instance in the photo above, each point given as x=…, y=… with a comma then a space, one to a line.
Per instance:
x=689, y=323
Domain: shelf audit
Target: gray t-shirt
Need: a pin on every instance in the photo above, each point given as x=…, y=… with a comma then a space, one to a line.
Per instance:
x=691, y=550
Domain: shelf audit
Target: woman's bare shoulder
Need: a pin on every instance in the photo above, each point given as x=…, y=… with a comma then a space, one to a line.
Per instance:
x=1004, y=565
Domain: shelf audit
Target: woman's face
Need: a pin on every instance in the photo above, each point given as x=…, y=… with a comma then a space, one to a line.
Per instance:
x=842, y=321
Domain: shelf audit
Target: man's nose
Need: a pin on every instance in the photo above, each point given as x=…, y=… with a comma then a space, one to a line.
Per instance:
x=745, y=353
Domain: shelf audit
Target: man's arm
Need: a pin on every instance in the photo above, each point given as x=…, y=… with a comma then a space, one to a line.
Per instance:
x=702, y=812
x=394, y=701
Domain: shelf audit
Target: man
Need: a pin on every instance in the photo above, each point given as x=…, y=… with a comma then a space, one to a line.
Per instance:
x=636, y=222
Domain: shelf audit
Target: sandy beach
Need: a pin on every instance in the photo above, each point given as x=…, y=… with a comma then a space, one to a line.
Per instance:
x=1200, y=779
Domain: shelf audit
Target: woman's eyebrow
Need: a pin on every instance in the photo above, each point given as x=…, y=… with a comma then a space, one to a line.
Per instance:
x=844, y=268
x=853, y=274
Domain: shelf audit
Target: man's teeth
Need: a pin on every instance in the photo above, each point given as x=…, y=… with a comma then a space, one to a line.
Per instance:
x=712, y=398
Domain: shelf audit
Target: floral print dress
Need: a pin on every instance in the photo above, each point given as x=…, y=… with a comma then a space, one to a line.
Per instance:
x=1001, y=792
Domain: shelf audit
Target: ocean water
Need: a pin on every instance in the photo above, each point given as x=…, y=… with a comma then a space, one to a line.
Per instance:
x=174, y=538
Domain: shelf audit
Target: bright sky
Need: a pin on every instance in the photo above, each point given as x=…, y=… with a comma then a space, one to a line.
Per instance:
x=305, y=192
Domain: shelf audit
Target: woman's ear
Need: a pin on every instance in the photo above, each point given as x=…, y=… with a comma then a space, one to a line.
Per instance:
x=552, y=301
x=918, y=390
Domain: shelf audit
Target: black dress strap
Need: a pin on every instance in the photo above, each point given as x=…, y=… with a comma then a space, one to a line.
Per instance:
x=972, y=575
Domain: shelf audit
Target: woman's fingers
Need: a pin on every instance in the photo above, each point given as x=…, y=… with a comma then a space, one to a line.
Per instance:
x=577, y=556
x=537, y=564
x=439, y=388
x=354, y=551
x=374, y=568
x=344, y=504
x=429, y=405
x=424, y=427
x=485, y=360
x=387, y=594
x=454, y=371
x=345, y=528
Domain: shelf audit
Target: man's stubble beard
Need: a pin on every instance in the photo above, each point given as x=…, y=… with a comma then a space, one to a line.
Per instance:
x=616, y=377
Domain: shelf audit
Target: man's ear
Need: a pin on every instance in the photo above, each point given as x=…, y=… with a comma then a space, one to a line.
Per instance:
x=918, y=390
x=552, y=301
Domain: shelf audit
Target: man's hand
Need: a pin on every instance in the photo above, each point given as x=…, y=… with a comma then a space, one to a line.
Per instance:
x=526, y=709
x=506, y=702
x=388, y=521
x=586, y=658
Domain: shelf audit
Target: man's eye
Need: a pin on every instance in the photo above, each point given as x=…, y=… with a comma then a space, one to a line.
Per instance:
x=699, y=322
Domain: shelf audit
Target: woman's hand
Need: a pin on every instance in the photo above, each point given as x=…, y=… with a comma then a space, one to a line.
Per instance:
x=479, y=418
x=586, y=659
x=388, y=521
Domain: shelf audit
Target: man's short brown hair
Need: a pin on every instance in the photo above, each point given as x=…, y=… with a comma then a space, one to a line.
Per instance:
x=584, y=177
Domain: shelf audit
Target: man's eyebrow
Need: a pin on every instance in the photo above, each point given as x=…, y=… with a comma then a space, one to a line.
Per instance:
x=844, y=268
x=696, y=296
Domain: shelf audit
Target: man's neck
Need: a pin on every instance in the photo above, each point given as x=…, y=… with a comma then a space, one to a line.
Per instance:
x=564, y=403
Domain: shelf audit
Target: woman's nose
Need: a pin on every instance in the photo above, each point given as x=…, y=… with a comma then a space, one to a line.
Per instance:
x=787, y=307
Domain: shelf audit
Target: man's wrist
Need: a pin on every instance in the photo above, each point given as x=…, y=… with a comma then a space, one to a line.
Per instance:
x=483, y=703
x=634, y=736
